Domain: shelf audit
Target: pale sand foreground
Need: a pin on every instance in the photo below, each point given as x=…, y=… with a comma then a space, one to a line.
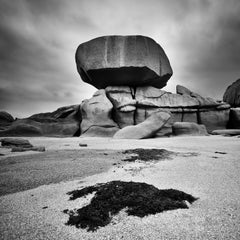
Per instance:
x=213, y=177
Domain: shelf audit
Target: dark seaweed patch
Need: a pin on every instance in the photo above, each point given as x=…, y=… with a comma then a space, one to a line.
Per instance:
x=140, y=199
x=147, y=154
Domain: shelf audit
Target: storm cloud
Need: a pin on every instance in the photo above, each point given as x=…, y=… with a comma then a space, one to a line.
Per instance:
x=38, y=40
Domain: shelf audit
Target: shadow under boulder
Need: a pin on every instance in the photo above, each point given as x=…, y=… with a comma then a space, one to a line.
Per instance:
x=140, y=199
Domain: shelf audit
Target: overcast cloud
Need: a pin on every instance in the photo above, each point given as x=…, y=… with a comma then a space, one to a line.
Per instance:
x=38, y=40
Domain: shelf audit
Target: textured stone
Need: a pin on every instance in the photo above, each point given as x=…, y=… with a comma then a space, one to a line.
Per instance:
x=19, y=128
x=189, y=128
x=123, y=61
x=65, y=121
x=183, y=90
x=234, y=118
x=97, y=115
x=226, y=132
x=15, y=142
x=100, y=131
x=121, y=98
x=153, y=97
x=123, y=103
x=232, y=94
x=214, y=119
x=203, y=102
x=146, y=129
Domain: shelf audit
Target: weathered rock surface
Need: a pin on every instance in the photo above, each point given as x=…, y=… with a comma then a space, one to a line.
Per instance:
x=23, y=149
x=97, y=116
x=5, y=120
x=153, y=97
x=123, y=103
x=189, y=129
x=227, y=132
x=65, y=121
x=232, y=94
x=214, y=119
x=22, y=128
x=202, y=101
x=146, y=129
x=234, y=118
x=123, y=61
x=15, y=142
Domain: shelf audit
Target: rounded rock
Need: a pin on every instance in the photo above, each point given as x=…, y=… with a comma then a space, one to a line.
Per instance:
x=123, y=61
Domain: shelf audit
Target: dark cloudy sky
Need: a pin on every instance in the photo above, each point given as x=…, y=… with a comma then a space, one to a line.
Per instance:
x=38, y=39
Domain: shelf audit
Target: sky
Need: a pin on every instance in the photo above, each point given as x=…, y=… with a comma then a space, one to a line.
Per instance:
x=38, y=40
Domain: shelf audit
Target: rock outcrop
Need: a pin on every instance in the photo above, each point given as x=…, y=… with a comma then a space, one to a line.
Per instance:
x=146, y=129
x=133, y=106
x=189, y=129
x=15, y=142
x=234, y=118
x=65, y=121
x=232, y=94
x=123, y=61
x=97, y=116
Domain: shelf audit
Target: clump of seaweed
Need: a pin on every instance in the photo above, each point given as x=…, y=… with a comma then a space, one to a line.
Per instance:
x=147, y=154
x=140, y=199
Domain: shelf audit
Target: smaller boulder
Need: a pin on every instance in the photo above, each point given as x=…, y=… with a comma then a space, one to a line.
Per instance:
x=227, y=132
x=189, y=128
x=24, y=149
x=183, y=90
x=146, y=129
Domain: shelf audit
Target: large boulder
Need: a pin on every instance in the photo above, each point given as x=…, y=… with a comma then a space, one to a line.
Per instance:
x=232, y=94
x=97, y=116
x=123, y=61
x=189, y=129
x=146, y=129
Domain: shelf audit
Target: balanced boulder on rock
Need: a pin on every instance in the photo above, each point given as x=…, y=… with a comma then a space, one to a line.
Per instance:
x=123, y=61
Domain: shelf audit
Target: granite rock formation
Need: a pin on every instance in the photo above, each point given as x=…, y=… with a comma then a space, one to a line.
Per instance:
x=147, y=128
x=96, y=116
x=131, y=107
x=232, y=94
x=65, y=121
x=234, y=118
x=123, y=61
x=189, y=129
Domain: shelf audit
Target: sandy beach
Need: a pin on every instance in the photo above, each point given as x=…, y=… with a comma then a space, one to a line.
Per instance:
x=34, y=187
